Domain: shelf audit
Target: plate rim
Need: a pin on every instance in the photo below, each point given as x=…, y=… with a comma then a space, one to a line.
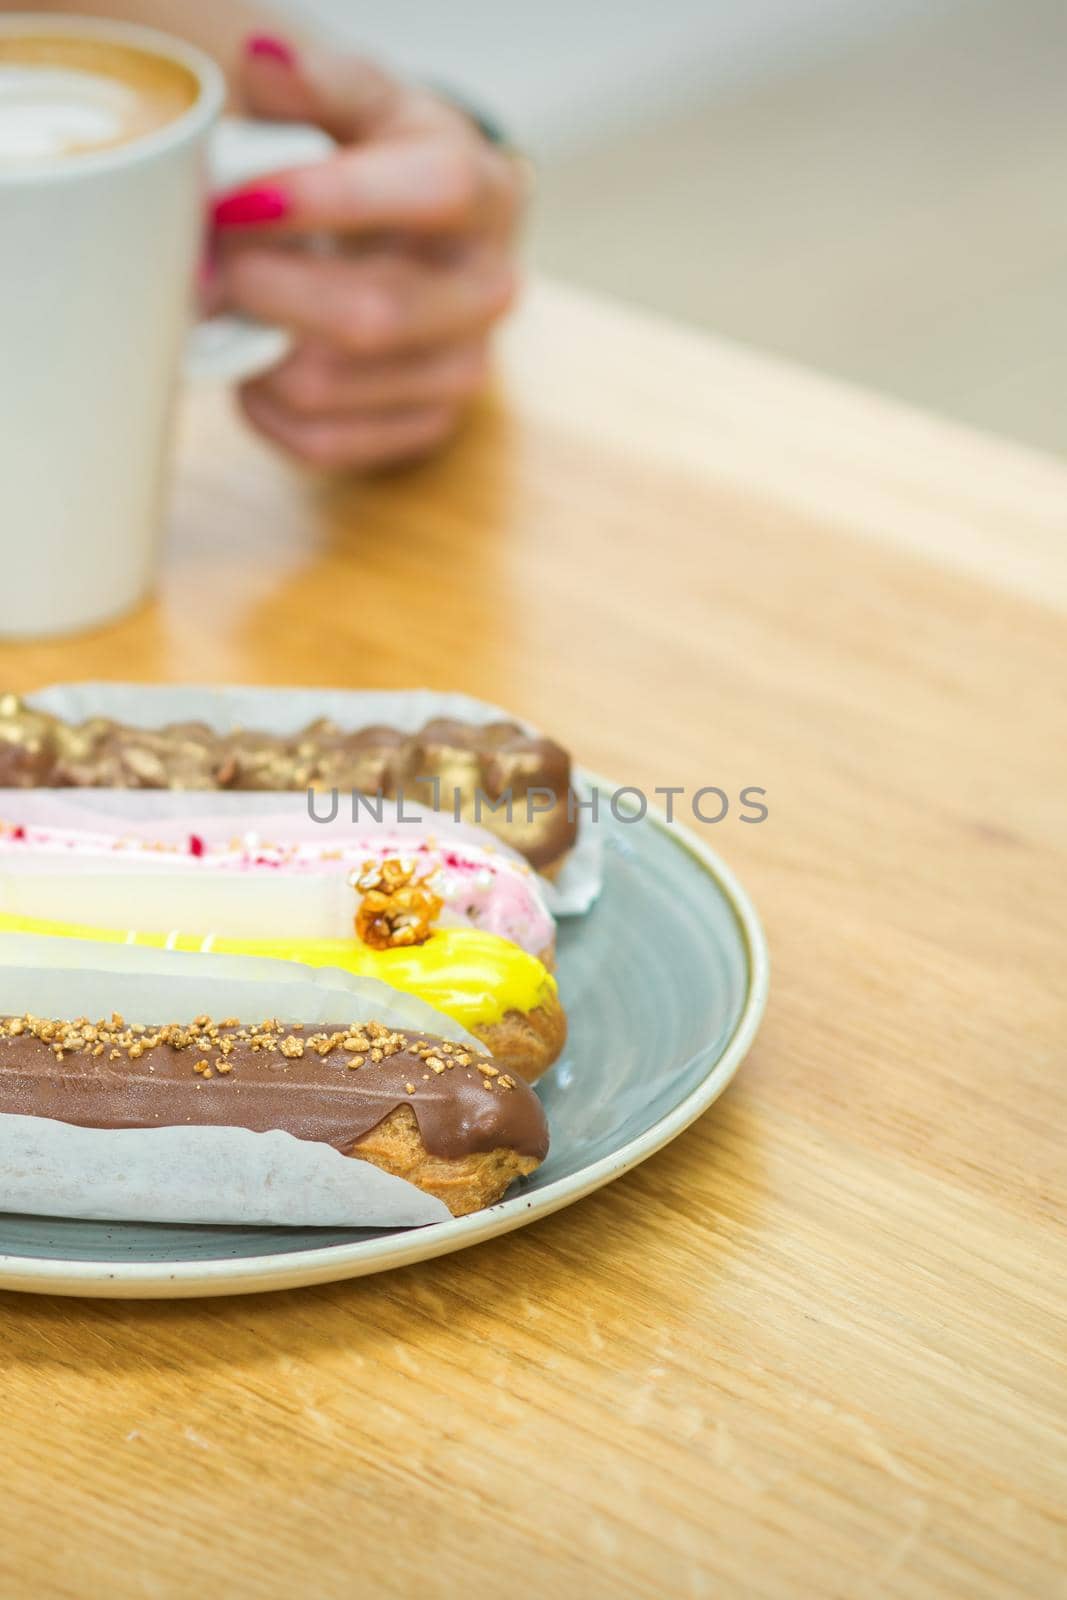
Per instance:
x=289, y=1269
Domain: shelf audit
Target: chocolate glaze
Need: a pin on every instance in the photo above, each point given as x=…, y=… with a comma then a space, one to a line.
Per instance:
x=38, y=750
x=315, y=1097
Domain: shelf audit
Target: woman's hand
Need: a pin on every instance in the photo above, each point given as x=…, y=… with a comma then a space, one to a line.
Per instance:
x=392, y=312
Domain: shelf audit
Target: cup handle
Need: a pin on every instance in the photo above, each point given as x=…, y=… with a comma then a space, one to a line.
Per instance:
x=226, y=349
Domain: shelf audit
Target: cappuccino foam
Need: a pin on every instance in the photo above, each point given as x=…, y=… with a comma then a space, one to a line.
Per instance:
x=62, y=97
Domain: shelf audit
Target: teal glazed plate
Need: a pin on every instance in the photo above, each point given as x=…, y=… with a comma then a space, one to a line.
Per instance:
x=664, y=982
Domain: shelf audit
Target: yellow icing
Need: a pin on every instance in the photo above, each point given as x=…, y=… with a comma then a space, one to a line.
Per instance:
x=472, y=976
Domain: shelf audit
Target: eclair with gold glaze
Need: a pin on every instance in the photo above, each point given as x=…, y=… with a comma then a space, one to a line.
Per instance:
x=513, y=783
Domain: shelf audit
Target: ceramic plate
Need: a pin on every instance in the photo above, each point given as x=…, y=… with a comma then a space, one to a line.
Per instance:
x=664, y=982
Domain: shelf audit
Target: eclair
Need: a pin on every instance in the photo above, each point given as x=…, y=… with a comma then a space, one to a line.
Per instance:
x=514, y=784
x=422, y=1108
x=504, y=996
x=472, y=885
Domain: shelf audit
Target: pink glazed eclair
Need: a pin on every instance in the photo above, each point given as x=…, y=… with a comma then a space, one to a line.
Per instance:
x=477, y=886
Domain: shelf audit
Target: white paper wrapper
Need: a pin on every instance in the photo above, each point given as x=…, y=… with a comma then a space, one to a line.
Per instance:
x=198, y=1175
x=284, y=711
x=204, y=1175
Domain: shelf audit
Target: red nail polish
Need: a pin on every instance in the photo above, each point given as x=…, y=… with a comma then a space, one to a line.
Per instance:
x=271, y=49
x=249, y=207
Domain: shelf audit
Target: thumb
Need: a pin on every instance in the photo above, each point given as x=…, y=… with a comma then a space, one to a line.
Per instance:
x=343, y=94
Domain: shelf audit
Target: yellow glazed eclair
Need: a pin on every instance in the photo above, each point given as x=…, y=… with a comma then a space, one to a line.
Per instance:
x=503, y=995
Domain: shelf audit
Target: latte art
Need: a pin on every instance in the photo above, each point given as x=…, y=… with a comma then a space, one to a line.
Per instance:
x=46, y=113
x=63, y=97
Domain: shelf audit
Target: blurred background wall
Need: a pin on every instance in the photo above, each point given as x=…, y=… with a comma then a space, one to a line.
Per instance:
x=873, y=187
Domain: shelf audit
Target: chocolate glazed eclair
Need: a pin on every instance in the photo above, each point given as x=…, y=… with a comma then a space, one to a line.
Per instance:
x=422, y=1108
x=515, y=785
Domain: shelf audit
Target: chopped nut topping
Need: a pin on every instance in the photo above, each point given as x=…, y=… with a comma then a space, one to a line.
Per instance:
x=358, y=1045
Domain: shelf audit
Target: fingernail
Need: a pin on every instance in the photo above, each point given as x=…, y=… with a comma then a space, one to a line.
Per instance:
x=271, y=48
x=250, y=206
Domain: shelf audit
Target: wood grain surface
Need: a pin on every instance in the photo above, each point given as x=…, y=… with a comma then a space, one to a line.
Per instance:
x=816, y=1347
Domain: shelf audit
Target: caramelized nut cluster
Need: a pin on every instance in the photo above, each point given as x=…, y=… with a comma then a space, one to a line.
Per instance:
x=397, y=909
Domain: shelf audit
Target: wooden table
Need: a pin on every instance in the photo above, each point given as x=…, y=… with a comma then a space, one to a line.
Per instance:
x=814, y=1348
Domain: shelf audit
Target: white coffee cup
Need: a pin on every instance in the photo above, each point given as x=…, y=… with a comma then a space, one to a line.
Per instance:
x=97, y=270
